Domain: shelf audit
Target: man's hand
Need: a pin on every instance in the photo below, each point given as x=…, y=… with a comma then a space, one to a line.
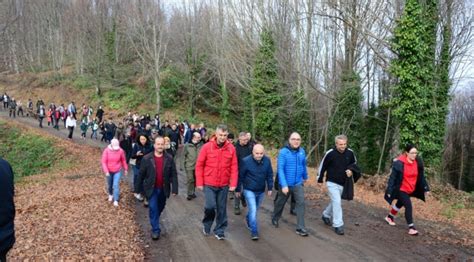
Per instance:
x=237, y=194
x=348, y=173
x=200, y=188
x=232, y=188
x=285, y=190
x=107, y=174
x=125, y=173
x=269, y=193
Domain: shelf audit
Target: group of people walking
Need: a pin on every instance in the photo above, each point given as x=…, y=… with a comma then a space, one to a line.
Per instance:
x=219, y=167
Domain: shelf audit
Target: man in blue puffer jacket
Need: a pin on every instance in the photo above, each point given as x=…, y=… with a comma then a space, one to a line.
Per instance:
x=292, y=174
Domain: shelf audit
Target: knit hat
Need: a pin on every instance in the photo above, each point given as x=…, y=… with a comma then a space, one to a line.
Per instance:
x=114, y=144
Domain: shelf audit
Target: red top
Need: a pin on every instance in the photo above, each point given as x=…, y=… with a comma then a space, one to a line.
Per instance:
x=159, y=171
x=217, y=166
x=410, y=175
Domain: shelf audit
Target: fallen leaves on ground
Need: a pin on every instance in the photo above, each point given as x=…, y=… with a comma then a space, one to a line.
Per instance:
x=65, y=215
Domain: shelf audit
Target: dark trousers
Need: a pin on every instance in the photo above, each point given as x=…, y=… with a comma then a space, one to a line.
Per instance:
x=71, y=130
x=405, y=201
x=215, y=202
x=3, y=256
x=12, y=112
x=40, y=119
x=297, y=192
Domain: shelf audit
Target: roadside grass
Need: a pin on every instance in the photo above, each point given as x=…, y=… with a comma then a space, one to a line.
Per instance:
x=30, y=154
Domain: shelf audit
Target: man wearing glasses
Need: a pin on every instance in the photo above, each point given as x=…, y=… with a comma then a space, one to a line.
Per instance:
x=292, y=174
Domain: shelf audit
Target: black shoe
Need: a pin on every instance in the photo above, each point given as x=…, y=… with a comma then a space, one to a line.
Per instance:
x=220, y=236
x=155, y=236
x=275, y=223
x=302, y=232
x=326, y=220
x=254, y=237
x=339, y=230
x=236, y=211
x=193, y=196
x=292, y=212
x=189, y=197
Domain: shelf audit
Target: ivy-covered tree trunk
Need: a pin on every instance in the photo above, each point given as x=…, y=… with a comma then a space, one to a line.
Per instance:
x=265, y=92
x=417, y=101
x=347, y=112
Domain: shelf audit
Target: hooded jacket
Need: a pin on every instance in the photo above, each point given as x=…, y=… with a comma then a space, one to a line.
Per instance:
x=396, y=177
x=217, y=166
x=291, y=166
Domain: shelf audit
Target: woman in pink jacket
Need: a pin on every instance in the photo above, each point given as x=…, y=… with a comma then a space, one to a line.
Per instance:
x=113, y=160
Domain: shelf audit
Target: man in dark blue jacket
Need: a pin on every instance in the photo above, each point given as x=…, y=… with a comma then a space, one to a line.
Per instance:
x=292, y=174
x=255, y=172
x=7, y=209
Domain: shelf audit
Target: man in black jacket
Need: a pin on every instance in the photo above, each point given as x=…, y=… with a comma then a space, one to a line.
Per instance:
x=159, y=178
x=7, y=209
x=242, y=149
x=338, y=163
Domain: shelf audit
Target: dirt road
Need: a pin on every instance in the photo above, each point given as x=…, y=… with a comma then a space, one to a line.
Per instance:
x=367, y=237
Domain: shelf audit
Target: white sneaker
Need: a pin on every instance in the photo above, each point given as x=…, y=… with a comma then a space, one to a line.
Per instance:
x=111, y=198
x=138, y=196
x=116, y=203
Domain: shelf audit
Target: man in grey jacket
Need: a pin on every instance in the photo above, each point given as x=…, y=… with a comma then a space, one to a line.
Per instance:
x=191, y=151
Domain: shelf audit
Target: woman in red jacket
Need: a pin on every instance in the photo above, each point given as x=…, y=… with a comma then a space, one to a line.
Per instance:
x=406, y=180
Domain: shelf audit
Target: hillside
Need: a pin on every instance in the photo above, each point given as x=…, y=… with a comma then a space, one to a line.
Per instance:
x=446, y=219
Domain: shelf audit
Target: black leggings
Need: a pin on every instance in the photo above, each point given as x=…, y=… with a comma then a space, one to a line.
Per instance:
x=404, y=201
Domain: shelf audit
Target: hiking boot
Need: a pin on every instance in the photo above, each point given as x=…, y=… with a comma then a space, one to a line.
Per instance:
x=193, y=196
x=155, y=236
x=390, y=221
x=275, y=223
x=254, y=237
x=302, y=232
x=220, y=236
x=189, y=197
x=236, y=211
x=412, y=231
x=339, y=230
x=116, y=203
x=326, y=220
x=205, y=232
x=111, y=198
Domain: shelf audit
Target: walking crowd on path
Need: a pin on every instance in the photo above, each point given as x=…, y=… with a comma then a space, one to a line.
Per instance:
x=221, y=168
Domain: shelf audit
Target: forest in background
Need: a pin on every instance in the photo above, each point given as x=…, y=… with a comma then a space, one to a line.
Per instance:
x=383, y=72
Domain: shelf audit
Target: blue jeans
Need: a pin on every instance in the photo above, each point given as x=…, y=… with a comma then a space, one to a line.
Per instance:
x=113, y=182
x=156, y=204
x=334, y=208
x=215, y=201
x=136, y=170
x=254, y=199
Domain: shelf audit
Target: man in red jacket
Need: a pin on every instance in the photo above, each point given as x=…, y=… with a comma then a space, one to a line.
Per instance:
x=216, y=174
